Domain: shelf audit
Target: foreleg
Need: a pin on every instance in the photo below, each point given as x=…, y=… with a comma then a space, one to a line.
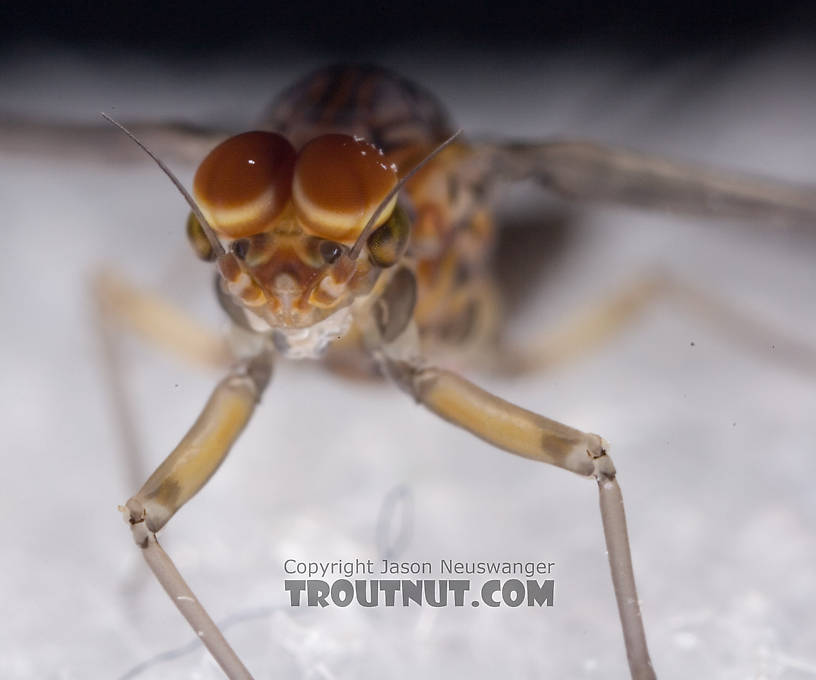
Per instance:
x=180, y=477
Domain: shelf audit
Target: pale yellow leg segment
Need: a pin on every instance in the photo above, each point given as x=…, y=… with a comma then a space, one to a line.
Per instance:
x=501, y=423
x=180, y=477
x=587, y=330
x=201, y=451
x=528, y=434
x=163, y=325
x=111, y=358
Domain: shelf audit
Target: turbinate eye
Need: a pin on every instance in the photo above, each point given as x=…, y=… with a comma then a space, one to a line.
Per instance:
x=245, y=182
x=339, y=182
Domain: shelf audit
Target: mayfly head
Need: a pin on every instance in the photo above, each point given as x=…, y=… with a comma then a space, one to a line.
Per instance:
x=296, y=235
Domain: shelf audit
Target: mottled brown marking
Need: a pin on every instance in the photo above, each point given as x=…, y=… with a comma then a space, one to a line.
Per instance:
x=340, y=95
x=167, y=493
x=382, y=101
x=556, y=446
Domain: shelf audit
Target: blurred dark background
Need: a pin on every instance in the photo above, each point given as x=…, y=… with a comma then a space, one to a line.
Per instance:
x=349, y=30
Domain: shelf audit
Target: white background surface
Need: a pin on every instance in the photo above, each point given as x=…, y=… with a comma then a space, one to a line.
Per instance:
x=714, y=444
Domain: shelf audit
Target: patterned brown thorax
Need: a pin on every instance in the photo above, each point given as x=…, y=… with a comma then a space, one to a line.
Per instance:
x=364, y=101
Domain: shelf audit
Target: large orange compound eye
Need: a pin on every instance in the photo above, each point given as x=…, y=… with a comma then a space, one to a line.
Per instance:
x=245, y=182
x=339, y=182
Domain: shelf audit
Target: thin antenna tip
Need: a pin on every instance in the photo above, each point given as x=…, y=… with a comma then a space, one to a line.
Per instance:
x=205, y=225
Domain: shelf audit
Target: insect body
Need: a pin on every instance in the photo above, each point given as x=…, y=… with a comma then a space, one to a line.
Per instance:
x=316, y=252
x=442, y=226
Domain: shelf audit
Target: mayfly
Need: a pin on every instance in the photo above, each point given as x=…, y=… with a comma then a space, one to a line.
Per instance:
x=355, y=226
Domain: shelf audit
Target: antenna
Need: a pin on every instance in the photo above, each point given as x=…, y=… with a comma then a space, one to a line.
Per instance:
x=209, y=232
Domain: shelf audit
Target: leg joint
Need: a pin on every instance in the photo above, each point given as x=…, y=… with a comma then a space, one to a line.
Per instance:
x=135, y=516
x=602, y=462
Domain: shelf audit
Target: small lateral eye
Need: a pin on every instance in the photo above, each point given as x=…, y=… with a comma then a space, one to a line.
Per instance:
x=330, y=251
x=339, y=182
x=198, y=239
x=245, y=182
x=388, y=242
